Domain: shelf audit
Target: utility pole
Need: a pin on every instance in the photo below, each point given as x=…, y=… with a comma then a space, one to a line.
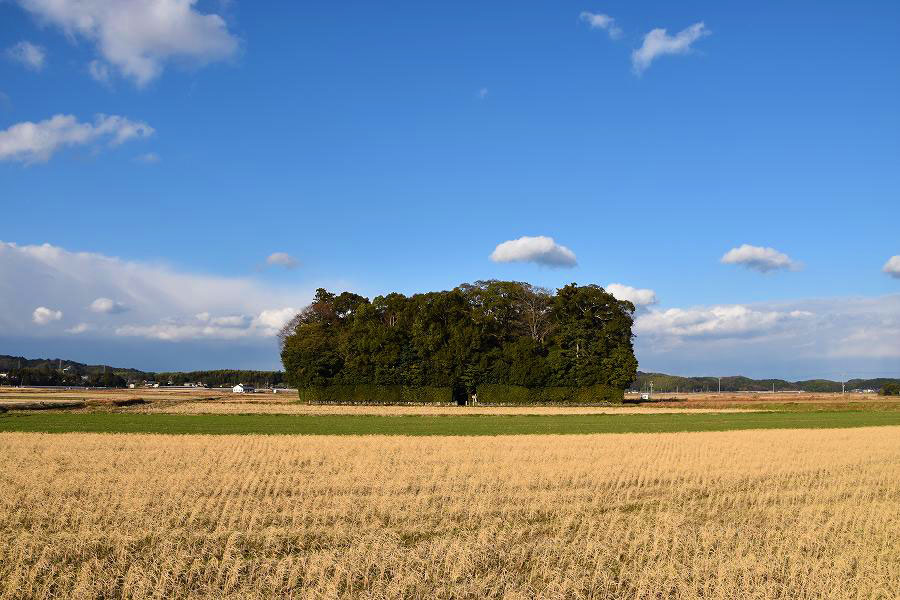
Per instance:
x=720, y=384
x=651, y=390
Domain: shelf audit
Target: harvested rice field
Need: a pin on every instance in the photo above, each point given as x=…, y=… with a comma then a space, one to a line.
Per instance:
x=737, y=514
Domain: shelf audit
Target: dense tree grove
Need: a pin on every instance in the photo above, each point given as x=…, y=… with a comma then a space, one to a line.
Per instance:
x=221, y=377
x=500, y=332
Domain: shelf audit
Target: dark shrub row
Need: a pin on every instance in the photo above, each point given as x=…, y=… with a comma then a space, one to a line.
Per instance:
x=514, y=394
x=375, y=394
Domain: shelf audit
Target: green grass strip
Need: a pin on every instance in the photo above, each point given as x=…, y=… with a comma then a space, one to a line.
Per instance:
x=58, y=422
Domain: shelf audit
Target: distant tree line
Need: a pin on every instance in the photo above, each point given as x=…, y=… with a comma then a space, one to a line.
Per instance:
x=222, y=377
x=49, y=376
x=671, y=383
x=67, y=373
x=487, y=332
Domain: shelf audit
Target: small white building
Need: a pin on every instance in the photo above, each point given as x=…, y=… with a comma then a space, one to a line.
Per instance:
x=243, y=388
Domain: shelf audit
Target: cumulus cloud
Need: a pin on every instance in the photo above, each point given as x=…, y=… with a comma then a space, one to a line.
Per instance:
x=807, y=337
x=892, y=267
x=541, y=250
x=658, y=42
x=107, y=306
x=43, y=315
x=759, y=258
x=77, y=329
x=282, y=259
x=601, y=21
x=239, y=321
x=179, y=331
x=204, y=326
x=31, y=143
x=640, y=297
x=28, y=55
x=162, y=303
x=734, y=320
x=138, y=37
x=274, y=320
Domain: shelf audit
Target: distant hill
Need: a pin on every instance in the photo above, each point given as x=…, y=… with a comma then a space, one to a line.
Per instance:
x=9, y=363
x=665, y=383
x=60, y=371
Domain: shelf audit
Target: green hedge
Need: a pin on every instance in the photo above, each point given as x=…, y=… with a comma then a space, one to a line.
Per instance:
x=375, y=394
x=515, y=394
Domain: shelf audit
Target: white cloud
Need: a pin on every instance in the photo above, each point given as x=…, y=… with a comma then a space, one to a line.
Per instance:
x=99, y=71
x=600, y=21
x=162, y=303
x=80, y=328
x=657, y=43
x=856, y=327
x=810, y=338
x=282, y=259
x=43, y=315
x=274, y=320
x=482, y=93
x=28, y=55
x=727, y=321
x=138, y=37
x=239, y=321
x=107, y=306
x=177, y=332
x=759, y=258
x=31, y=143
x=640, y=297
x=892, y=267
x=540, y=249
x=231, y=327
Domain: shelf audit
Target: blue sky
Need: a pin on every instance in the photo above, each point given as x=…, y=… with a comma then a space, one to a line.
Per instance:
x=394, y=147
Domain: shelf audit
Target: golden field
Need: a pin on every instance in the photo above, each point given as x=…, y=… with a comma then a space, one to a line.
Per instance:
x=745, y=514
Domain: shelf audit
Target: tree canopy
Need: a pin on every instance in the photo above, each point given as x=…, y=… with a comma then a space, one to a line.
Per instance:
x=890, y=389
x=502, y=332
